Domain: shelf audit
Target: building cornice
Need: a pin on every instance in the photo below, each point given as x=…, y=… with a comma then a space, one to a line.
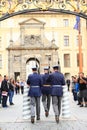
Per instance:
x=32, y=48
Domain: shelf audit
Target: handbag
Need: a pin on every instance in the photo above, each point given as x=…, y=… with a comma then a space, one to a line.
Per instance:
x=4, y=93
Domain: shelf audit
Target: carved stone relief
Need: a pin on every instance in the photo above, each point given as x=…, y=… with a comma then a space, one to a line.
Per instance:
x=32, y=39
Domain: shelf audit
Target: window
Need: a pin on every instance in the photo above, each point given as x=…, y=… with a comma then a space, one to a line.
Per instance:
x=66, y=40
x=66, y=60
x=77, y=40
x=78, y=60
x=66, y=22
x=0, y=61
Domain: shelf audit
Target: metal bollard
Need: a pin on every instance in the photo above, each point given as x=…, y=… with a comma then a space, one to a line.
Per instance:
x=26, y=104
x=65, y=103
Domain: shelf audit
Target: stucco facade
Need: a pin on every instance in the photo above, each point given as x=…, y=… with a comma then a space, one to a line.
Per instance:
x=40, y=37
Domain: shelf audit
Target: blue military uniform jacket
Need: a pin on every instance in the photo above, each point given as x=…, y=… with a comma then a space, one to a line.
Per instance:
x=57, y=81
x=35, y=82
x=46, y=88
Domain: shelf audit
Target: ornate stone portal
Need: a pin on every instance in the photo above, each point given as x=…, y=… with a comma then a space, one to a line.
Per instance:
x=33, y=46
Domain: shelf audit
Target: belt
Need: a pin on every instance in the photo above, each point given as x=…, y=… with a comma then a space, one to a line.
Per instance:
x=46, y=85
x=56, y=85
x=35, y=86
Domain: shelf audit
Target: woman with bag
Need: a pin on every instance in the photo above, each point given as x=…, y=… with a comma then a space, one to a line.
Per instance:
x=11, y=91
x=4, y=91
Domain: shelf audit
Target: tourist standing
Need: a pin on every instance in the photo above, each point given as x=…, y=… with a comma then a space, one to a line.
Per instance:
x=22, y=84
x=82, y=80
x=68, y=84
x=0, y=87
x=4, y=91
x=11, y=91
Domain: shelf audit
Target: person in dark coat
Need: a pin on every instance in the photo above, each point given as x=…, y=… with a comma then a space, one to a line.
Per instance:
x=46, y=91
x=82, y=81
x=68, y=83
x=11, y=91
x=0, y=88
x=35, y=82
x=4, y=91
x=57, y=81
x=22, y=84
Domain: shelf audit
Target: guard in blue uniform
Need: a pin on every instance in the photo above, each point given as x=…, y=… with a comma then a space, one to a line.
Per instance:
x=35, y=82
x=46, y=91
x=57, y=81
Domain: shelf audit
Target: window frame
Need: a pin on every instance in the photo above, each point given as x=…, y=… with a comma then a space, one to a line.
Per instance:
x=66, y=22
x=66, y=40
x=67, y=60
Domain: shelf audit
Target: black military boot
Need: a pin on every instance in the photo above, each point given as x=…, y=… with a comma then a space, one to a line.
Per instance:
x=38, y=117
x=32, y=120
x=57, y=119
x=46, y=113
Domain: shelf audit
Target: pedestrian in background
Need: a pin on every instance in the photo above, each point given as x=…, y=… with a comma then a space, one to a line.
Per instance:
x=35, y=82
x=68, y=83
x=4, y=91
x=17, y=88
x=82, y=80
x=0, y=88
x=22, y=84
x=46, y=91
x=11, y=91
x=57, y=81
x=74, y=84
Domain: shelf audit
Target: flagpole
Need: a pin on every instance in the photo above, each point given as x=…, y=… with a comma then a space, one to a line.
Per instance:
x=80, y=48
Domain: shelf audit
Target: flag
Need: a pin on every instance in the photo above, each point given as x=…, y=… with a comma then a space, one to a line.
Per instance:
x=77, y=24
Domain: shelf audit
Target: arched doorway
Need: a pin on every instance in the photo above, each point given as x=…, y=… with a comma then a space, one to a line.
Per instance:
x=32, y=62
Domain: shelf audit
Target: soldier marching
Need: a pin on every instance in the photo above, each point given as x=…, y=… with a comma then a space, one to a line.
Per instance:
x=35, y=82
x=46, y=91
x=45, y=85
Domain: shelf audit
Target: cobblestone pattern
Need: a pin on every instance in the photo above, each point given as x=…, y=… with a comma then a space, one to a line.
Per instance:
x=43, y=125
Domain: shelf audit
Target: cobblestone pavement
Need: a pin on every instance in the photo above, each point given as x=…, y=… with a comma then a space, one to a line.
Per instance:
x=46, y=125
x=11, y=118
